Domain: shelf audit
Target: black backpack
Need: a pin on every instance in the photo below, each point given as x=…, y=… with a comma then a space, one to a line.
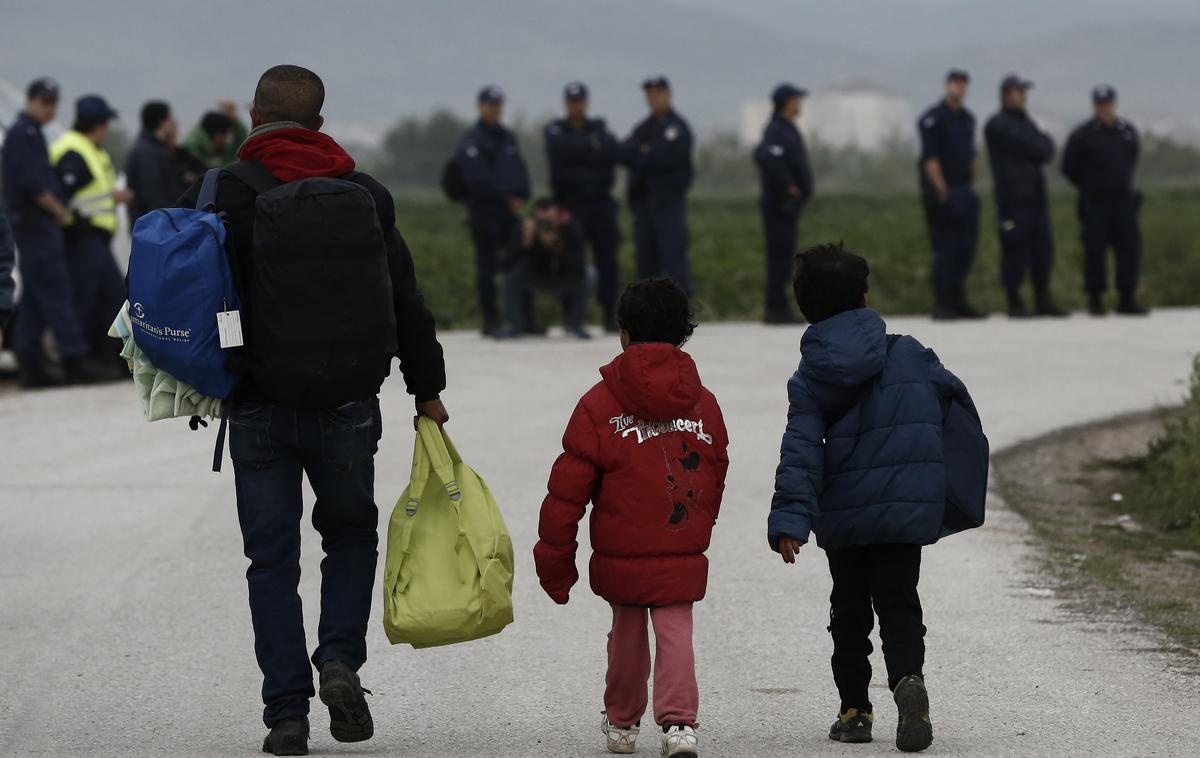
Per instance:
x=453, y=182
x=321, y=318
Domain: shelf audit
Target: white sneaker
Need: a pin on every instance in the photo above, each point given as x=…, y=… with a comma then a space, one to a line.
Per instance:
x=680, y=742
x=619, y=740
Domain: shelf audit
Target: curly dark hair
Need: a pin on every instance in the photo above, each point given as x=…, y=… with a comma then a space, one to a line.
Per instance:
x=829, y=279
x=656, y=310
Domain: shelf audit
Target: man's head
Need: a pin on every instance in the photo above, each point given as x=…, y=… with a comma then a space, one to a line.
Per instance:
x=490, y=103
x=1104, y=103
x=957, y=81
x=92, y=116
x=41, y=100
x=575, y=101
x=787, y=100
x=219, y=129
x=288, y=93
x=658, y=95
x=157, y=120
x=655, y=310
x=1014, y=92
x=828, y=280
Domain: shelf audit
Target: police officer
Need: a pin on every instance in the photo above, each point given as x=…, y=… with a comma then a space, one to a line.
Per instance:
x=658, y=154
x=497, y=182
x=89, y=182
x=583, y=154
x=34, y=200
x=947, y=169
x=1100, y=159
x=1017, y=150
x=787, y=185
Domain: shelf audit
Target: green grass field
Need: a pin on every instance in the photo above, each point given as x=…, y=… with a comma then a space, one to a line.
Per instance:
x=727, y=252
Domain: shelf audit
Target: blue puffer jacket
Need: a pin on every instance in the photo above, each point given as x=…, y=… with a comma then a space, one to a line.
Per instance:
x=861, y=461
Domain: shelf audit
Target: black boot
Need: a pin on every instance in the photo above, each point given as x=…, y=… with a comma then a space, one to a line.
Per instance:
x=943, y=307
x=1045, y=306
x=288, y=737
x=33, y=373
x=1016, y=305
x=1127, y=305
x=964, y=308
x=491, y=322
x=1096, y=305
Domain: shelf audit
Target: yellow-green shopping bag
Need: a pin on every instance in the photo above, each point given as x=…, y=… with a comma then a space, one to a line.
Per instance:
x=448, y=574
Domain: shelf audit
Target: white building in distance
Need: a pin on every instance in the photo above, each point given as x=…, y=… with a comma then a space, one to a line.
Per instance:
x=859, y=114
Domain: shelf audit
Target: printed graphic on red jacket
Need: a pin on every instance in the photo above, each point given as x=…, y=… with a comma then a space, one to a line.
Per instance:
x=647, y=447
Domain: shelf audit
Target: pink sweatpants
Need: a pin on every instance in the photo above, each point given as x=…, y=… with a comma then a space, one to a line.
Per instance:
x=676, y=696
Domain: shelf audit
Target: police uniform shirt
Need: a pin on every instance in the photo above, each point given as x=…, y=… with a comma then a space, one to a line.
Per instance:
x=26, y=171
x=582, y=160
x=1101, y=159
x=782, y=159
x=948, y=136
x=664, y=169
x=492, y=165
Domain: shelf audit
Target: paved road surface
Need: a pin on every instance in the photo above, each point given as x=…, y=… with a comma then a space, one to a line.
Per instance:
x=124, y=629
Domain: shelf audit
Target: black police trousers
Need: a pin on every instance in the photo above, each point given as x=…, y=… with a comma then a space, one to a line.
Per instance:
x=1026, y=244
x=779, y=227
x=491, y=230
x=598, y=219
x=1110, y=221
x=661, y=237
x=954, y=236
x=883, y=577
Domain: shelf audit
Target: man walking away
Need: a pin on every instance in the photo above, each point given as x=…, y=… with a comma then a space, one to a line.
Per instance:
x=497, y=183
x=947, y=170
x=1017, y=150
x=787, y=186
x=36, y=209
x=326, y=281
x=151, y=170
x=89, y=181
x=1100, y=159
x=583, y=154
x=658, y=154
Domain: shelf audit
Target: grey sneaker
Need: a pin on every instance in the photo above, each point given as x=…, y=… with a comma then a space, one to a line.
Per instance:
x=852, y=726
x=914, y=733
x=619, y=739
x=349, y=717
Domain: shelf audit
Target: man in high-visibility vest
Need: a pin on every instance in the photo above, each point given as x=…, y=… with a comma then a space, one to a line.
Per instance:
x=90, y=184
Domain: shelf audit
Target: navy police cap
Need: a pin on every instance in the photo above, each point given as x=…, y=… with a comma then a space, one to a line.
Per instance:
x=785, y=92
x=94, y=108
x=491, y=94
x=575, y=91
x=1013, y=81
x=656, y=81
x=1104, y=93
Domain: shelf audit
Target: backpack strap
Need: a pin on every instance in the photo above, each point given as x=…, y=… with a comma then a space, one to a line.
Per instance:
x=219, y=451
x=254, y=175
x=207, y=199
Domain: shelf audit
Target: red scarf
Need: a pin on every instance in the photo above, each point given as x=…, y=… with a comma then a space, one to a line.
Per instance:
x=297, y=153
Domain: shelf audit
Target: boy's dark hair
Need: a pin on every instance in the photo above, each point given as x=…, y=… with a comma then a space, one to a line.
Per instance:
x=154, y=113
x=828, y=280
x=656, y=310
x=214, y=123
x=290, y=93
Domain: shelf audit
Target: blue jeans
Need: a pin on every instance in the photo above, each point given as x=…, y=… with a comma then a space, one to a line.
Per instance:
x=273, y=447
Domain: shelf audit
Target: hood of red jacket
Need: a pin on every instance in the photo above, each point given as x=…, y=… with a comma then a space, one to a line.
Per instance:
x=297, y=153
x=655, y=381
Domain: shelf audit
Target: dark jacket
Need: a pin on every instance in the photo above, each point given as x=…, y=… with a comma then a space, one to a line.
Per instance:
x=154, y=175
x=8, y=260
x=658, y=154
x=1100, y=160
x=26, y=173
x=861, y=461
x=582, y=161
x=492, y=169
x=782, y=162
x=947, y=136
x=1017, y=150
x=647, y=447
x=567, y=260
x=420, y=354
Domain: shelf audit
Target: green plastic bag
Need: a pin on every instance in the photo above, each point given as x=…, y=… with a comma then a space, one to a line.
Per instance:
x=448, y=576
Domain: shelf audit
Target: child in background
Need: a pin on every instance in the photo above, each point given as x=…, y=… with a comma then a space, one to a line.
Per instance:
x=647, y=447
x=862, y=466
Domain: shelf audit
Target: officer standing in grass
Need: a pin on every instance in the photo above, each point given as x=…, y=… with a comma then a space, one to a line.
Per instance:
x=1017, y=150
x=947, y=169
x=658, y=154
x=583, y=155
x=1100, y=159
x=787, y=185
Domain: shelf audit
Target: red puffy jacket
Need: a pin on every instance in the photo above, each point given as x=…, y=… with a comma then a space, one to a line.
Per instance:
x=648, y=446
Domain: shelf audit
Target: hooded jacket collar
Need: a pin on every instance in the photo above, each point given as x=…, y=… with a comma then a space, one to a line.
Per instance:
x=845, y=350
x=291, y=152
x=655, y=381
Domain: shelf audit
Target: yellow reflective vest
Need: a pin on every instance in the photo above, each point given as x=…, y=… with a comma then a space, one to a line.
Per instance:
x=93, y=204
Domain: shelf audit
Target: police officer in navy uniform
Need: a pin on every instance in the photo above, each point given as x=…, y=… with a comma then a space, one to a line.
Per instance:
x=37, y=209
x=947, y=170
x=658, y=154
x=497, y=183
x=787, y=185
x=583, y=155
x=1100, y=158
x=1017, y=151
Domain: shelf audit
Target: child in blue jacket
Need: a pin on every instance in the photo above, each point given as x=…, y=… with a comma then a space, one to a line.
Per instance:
x=861, y=467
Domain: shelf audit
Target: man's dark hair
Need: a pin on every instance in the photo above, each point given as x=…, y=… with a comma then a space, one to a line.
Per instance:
x=290, y=93
x=85, y=125
x=154, y=113
x=656, y=310
x=214, y=123
x=828, y=280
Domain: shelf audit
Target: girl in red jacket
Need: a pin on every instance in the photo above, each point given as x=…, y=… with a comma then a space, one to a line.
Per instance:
x=647, y=446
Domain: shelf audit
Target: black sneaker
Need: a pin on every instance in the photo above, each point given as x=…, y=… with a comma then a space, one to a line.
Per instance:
x=1129, y=306
x=914, y=733
x=349, y=717
x=1096, y=305
x=1016, y=307
x=288, y=737
x=852, y=726
x=967, y=311
x=1046, y=308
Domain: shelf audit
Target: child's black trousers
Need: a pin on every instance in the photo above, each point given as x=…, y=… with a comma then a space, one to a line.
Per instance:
x=885, y=577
